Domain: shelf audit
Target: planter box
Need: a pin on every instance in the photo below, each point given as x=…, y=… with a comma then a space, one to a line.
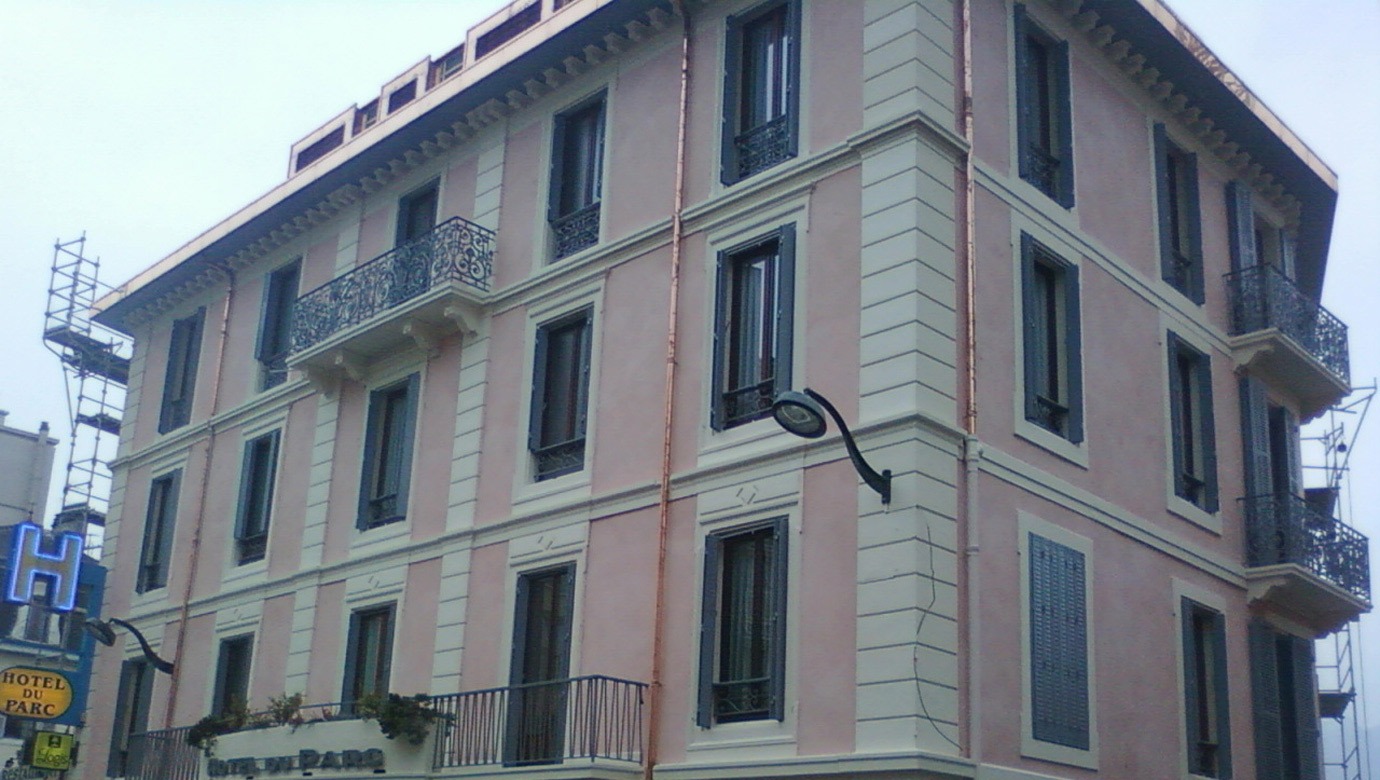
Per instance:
x=336, y=749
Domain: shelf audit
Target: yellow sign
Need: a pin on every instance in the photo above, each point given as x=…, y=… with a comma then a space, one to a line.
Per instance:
x=52, y=750
x=41, y=694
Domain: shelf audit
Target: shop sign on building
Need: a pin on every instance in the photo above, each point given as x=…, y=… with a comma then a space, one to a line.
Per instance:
x=41, y=694
x=52, y=750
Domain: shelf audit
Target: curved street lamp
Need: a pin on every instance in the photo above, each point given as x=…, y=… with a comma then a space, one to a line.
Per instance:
x=803, y=415
x=102, y=632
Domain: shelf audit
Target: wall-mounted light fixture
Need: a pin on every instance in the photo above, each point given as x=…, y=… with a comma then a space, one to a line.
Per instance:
x=803, y=415
x=102, y=631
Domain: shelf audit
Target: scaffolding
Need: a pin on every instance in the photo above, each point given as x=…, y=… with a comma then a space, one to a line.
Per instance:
x=95, y=364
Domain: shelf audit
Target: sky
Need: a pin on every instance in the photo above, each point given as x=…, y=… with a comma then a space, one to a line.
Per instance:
x=145, y=122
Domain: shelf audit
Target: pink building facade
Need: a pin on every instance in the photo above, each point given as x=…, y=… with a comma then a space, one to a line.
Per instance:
x=478, y=404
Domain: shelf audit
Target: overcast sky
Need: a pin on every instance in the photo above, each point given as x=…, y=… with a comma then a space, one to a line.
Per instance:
x=144, y=123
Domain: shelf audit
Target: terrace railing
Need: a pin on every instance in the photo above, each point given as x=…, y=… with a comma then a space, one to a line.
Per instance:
x=1287, y=529
x=1262, y=297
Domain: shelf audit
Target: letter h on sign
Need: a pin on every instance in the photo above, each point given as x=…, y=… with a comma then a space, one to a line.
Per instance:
x=28, y=561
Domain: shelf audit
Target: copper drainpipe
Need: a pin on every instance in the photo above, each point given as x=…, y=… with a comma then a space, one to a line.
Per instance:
x=664, y=497
x=972, y=448
x=201, y=505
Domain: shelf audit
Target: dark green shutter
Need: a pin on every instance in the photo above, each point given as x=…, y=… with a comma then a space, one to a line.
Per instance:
x=563, y=636
x=1255, y=435
x=582, y=394
x=1288, y=248
x=1195, y=229
x=218, y=702
x=785, y=309
x=1062, y=108
x=1269, y=739
x=1025, y=99
x=1030, y=324
x=709, y=629
x=1291, y=450
x=1189, y=638
x=780, y=582
x=1240, y=226
x=1207, y=433
x=168, y=526
x=406, y=435
x=1306, y=709
x=719, y=375
x=733, y=70
x=1220, y=684
x=558, y=144
x=1059, y=709
x=1073, y=353
x=1176, y=416
x=791, y=82
x=538, y=410
x=372, y=423
x=246, y=488
x=1162, y=202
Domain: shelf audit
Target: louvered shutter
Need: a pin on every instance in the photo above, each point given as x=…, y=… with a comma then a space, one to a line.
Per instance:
x=246, y=489
x=1030, y=324
x=168, y=526
x=1306, y=709
x=709, y=624
x=407, y=433
x=791, y=78
x=1025, y=99
x=1176, y=417
x=1291, y=432
x=785, y=310
x=1219, y=684
x=1255, y=435
x=557, y=168
x=1058, y=644
x=1195, y=227
x=722, y=320
x=1163, y=203
x=1059, y=53
x=538, y=409
x=1288, y=249
x=1188, y=637
x=1073, y=353
x=1269, y=742
x=780, y=581
x=733, y=69
x=1207, y=435
x=582, y=392
x=1240, y=226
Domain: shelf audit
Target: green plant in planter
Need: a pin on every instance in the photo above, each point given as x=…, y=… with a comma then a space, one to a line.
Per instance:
x=405, y=717
x=235, y=717
x=285, y=710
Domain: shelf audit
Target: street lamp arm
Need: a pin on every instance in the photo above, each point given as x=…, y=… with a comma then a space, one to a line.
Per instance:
x=158, y=663
x=878, y=482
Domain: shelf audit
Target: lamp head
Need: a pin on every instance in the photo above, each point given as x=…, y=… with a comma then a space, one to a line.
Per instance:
x=800, y=414
x=101, y=631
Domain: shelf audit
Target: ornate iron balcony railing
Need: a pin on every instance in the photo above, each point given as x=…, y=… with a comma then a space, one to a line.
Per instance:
x=542, y=723
x=456, y=250
x=764, y=146
x=576, y=230
x=1262, y=297
x=1287, y=529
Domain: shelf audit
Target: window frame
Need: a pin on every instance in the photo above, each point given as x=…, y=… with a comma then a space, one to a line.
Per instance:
x=570, y=224
x=526, y=691
x=732, y=168
x=1051, y=341
x=180, y=373
x=542, y=375
x=221, y=693
x=1044, y=122
x=133, y=700
x=353, y=687
x=728, y=335
x=1193, y=436
x=160, y=525
x=274, y=344
x=407, y=206
x=251, y=533
x=390, y=450
x=1286, y=723
x=1207, y=706
x=1179, y=211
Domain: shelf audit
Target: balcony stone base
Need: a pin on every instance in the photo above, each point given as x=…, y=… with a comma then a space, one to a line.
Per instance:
x=1303, y=597
x=1282, y=364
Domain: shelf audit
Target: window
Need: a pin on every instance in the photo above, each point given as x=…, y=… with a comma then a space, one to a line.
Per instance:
x=402, y=96
x=761, y=82
x=232, y=675
x=257, y=480
x=576, y=177
x=275, y=324
x=1194, y=437
x=1206, y=707
x=1181, y=250
x=753, y=325
x=1053, y=353
x=1283, y=695
x=369, y=656
x=541, y=663
x=367, y=117
x=388, y=453
x=1059, y=711
x=179, y=381
x=417, y=213
x=320, y=148
x=132, y=700
x=156, y=551
x=1044, y=127
x=743, y=626
x=560, y=395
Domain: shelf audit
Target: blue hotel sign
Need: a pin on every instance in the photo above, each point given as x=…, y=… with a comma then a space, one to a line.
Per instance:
x=29, y=561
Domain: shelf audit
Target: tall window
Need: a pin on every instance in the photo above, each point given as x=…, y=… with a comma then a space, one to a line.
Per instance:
x=577, y=177
x=275, y=326
x=1059, y=712
x=1283, y=695
x=540, y=666
x=257, y=480
x=1194, y=437
x=369, y=655
x=1053, y=354
x=761, y=82
x=560, y=395
x=184, y=348
x=132, y=699
x=1044, y=126
x=232, y=674
x=388, y=453
x=417, y=213
x=156, y=551
x=753, y=324
x=743, y=626
x=1181, y=250
x=1206, y=710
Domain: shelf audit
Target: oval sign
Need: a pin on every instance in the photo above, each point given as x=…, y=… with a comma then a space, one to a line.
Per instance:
x=41, y=694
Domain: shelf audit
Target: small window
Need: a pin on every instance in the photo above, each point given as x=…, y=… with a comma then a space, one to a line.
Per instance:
x=541, y=665
x=761, y=85
x=577, y=177
x=1284, y=703
x=1053, y=359
x=1190, y=406
x=257, y=480
x=232, y=675
x=320, y=148
x=417, y=213
x=753, y=328
x=133, y=697
x=560, y=395
x=275, y=324
x=369, y=655
x=507, y=30
x=1059, y=711
x=1206, y=709
x=448, y=65
x=743, y=626
x=367, y=117
x=1181, y=251
x=156, y=552
x=1044, y=123
x=388, y=453
x=402, y=96
x=179, y=380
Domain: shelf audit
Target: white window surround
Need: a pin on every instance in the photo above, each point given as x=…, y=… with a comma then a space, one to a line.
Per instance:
x=545, y=251
x=1181, y=590
x=1209, y=521
x=1088, y=759
x=158, y=597
x=536, y=553
x=234, y=572
x=1055, y=27
x=382, y=374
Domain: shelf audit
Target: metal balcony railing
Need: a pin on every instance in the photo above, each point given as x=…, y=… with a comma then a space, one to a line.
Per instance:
x=1287, y=529
x=162, y=755
x=456, y=250
x=542, y=723
x=1262, y=297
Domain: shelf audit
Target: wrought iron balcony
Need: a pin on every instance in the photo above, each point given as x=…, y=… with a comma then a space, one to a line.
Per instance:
x=587, y=718
x=1285, y=533
x=408, y=291
x=159, y=755
x=1287, y=338
x=576, y=230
